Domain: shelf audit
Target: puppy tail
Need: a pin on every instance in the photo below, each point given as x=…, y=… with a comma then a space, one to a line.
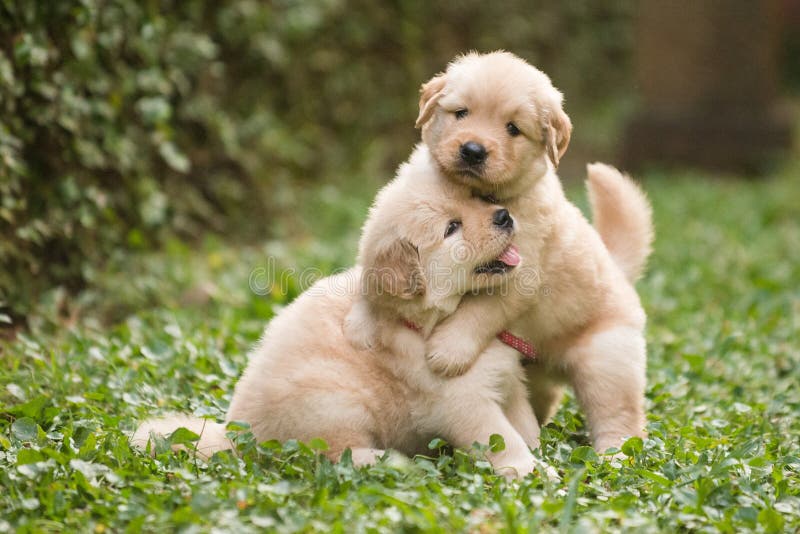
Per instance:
x=212, y=435
x=622, y=216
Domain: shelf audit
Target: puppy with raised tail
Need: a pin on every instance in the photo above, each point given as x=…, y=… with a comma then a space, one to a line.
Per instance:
x=493, y=127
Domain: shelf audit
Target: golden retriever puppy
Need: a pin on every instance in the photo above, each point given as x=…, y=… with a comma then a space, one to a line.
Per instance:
x=493, y=126
x=423, y=247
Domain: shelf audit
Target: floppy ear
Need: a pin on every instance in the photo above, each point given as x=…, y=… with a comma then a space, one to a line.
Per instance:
x=396, y=270
x=557, y=131
x=430, y=93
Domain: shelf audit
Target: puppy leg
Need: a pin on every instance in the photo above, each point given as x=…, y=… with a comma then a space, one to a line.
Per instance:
x=607, y=371
x=476, y=421
x=458, y=340
x=366, y=456
x=212, y=435
x=360, y=445
x=544, y=395
x=520, y=415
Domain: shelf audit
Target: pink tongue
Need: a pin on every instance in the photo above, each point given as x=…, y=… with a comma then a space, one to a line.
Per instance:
x=510, y=256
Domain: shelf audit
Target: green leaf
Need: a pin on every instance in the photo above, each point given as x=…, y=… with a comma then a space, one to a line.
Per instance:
x=32, y=408
x=583, y=454
x=25, y=429
x=696, y=362
x=496, y=443
x=347, y=458
x=174, y=158
x=771, y=520
x=237, y=426
x=154, y=109
x=29, y=456
x=30, y=504
x=90, y=470
x=318, y=444
x=436, y=444
x=633, y=446
x=655, y=477
x=183, y=436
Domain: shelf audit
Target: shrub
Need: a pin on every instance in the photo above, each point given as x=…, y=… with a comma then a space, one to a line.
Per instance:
x=124, y=122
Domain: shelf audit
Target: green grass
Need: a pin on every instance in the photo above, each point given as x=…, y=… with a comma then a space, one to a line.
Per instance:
x=723, y=299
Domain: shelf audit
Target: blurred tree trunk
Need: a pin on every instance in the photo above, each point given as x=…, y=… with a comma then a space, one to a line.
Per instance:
x=708, y=78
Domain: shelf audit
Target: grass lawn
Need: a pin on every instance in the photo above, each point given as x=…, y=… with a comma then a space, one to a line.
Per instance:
x=723, y=296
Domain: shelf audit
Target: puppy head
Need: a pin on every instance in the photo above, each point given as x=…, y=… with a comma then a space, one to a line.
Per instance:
x=491, y=120
x=426, y=244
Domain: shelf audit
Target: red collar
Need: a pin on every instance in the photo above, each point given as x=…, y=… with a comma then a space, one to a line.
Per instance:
x=520, y=345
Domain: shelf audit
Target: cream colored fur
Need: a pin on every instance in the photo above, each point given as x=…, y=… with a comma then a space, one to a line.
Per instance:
x=622, y=216
x=212, y=435
x=574, y=298
x=305, y=380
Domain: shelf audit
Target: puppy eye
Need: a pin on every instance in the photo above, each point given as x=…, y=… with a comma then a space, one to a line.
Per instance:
x=452, y=226
x=512, y=129
x=461, y=113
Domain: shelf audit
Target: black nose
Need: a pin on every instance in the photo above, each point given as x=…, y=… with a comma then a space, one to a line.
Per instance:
x=473, y=153
x=503, y=219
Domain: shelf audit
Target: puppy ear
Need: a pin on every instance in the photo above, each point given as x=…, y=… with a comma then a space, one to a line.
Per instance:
x=430, y=93
x=396, y=270
x=557, y=132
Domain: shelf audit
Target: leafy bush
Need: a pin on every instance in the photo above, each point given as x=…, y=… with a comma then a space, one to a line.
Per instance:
x=125, y=121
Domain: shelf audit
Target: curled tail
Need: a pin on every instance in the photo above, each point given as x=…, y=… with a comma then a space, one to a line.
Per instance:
x=212, y=435
x=622, y=216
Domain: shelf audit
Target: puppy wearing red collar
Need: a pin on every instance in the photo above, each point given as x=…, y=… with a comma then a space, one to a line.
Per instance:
x=493, y=125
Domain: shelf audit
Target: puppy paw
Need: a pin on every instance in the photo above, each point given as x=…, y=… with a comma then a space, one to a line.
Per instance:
x=523, y=465
x=358, y=336
x=449, y=359
x=609, y=445
x=363, y=456
x=359, y=328
x=514, y=468
x=608, y=454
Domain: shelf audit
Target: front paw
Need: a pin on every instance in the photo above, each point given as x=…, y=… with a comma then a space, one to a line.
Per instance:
x=360, y=329
x=358, y=336
x=450, y=357
x=523, y=465
x=515, y=472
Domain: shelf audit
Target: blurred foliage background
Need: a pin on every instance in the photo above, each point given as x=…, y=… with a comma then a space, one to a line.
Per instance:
x=127, y=124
